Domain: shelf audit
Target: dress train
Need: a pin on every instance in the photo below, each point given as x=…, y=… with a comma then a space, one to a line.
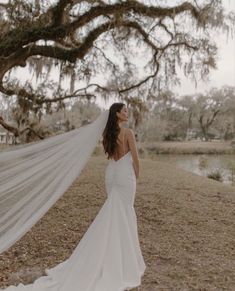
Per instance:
x=108, y=257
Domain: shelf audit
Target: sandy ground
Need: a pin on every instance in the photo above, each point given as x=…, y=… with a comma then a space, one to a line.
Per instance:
x=186, y=228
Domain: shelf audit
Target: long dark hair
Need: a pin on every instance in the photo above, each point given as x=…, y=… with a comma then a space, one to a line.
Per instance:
x=112, y=130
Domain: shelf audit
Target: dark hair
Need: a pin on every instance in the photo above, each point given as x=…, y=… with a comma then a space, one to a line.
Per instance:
x=112, y=130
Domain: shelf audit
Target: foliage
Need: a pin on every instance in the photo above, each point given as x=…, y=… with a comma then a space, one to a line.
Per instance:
x=84, y=38
x=80, y=113
x=136, y=46
x=29, y=126
x=215, y=175
x=205, y=116
x=214, y=108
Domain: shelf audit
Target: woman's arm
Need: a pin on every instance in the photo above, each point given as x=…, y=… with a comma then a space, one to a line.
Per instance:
x=132, y=145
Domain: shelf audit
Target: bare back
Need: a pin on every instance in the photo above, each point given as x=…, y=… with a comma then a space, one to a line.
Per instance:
x=123, y=146
x=126, y=142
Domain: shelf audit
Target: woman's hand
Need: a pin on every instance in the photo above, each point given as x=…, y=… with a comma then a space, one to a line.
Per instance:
x=136, y=172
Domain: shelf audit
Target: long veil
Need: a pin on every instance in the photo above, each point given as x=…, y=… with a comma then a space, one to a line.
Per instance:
x=34, y=176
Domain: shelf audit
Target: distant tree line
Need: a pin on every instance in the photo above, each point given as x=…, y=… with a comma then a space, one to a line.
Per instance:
x=164, y=117
x=204, y=116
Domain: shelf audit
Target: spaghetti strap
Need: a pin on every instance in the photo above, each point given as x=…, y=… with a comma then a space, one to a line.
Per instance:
x=123, y=141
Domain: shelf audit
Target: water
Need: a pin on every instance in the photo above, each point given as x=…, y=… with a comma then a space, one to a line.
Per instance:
x=204, y=164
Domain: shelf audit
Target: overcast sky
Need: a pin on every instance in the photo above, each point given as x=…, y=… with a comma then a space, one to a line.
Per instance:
x=223, y=75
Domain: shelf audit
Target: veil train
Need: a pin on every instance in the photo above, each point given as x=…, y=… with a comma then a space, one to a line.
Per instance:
x=34, y=176
x=108, y=257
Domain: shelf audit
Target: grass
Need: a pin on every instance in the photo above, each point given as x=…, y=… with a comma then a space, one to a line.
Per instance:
x=3, y=146
x=187, y=147
x=186, y=227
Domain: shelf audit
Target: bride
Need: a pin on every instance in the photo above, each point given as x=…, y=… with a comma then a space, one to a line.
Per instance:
x=108, y=257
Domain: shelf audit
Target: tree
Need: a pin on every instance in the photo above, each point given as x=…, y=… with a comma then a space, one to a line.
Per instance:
x=137, y=114
x=225, y=122
x=169, y=117
x=76, y=36
x=25, y=125
x=208, y=108
x=187, y=105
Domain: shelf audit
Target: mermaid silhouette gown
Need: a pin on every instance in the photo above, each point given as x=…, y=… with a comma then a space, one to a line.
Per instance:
x=108, y=257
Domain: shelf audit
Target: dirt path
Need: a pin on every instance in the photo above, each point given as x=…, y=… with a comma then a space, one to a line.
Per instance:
x=186, y=229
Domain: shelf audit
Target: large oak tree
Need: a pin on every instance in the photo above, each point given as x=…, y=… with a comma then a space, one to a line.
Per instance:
x=83, y=39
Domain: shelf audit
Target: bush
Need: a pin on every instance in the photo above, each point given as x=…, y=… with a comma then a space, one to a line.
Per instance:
x=215, y=175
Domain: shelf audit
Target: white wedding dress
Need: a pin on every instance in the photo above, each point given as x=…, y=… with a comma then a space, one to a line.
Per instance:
x=108, y=257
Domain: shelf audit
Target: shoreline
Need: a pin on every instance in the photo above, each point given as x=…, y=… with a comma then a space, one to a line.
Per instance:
x=187, y=147
x=151, y=149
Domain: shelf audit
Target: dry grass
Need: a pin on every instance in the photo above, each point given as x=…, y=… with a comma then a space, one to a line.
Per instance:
x=186, y=229
x=188, y=147
x=3, y=146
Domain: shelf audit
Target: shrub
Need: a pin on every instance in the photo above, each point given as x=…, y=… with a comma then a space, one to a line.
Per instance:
x=215, y=175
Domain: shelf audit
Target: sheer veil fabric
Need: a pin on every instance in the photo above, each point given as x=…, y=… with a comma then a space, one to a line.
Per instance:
x=34, y=177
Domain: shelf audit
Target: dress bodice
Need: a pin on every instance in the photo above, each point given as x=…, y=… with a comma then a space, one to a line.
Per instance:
x=122, y=148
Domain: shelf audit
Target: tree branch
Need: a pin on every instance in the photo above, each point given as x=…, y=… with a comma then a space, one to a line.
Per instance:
x=17, y=38
x=8, y=127
x=141, y=82
x=21, y=43
x=58, y=11
x=61, y=98
x=4, y=5
x=32, y=130
x=16, y=131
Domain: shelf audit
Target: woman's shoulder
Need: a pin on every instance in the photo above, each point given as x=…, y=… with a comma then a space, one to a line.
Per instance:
x=128, y=130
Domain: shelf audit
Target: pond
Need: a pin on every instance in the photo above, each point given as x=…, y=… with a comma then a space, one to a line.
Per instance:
x=204, y=164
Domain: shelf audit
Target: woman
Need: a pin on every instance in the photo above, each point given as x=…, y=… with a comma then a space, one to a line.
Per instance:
x=108, y=257
x=117, y=140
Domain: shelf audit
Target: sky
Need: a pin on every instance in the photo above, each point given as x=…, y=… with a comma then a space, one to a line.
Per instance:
x=223, y=75
x=225, y=72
